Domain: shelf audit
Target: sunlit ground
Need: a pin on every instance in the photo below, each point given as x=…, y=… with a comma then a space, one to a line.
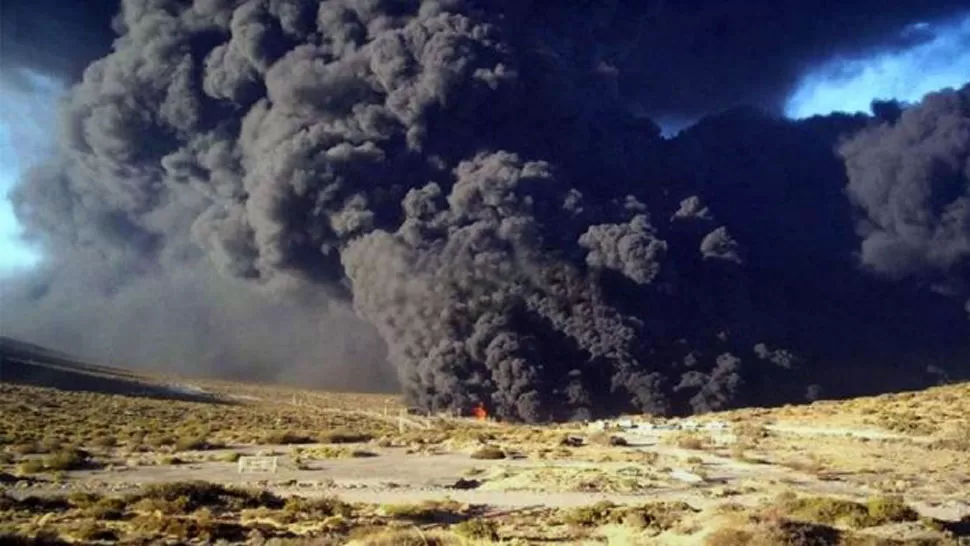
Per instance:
x=939, y=59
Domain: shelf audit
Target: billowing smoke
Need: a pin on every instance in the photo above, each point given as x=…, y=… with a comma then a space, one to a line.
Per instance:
x=911, y=178
x=472, y=179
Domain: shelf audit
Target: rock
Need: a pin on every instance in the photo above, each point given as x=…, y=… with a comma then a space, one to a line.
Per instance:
x=618, y=441
x=463, y=484
x=685, y=476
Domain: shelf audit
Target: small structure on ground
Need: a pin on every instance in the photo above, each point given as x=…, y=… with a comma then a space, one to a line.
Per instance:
x=251, y=464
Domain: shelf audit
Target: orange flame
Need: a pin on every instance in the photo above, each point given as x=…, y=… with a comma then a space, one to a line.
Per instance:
x=479, y=412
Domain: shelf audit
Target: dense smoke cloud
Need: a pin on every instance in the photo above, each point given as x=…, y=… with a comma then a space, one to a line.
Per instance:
x=912, y=180
x=469, y=178
x=193, y=323
x=680, y=60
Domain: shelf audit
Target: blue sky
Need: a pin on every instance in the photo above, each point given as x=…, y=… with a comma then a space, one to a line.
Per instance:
x=940, y=60
x=27, y=126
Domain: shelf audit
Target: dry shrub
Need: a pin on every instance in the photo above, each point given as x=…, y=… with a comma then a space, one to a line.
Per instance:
x=649, y=457
x=104, y=442
x=813, y=465
x=197, y=443
x=729, y=536
x=94, y=531
x=287, y=438
x=331, y=452
x=160, y=441
x=66, y=459
x=689, y=440
x=345, y=436
x=593, y=515
x=318, y=508
x=603, y=438
x=425, y=512
x=489, y=453
x=229, y=457
x=750, y=432
x=188, y=529
x=186, y=497
x=83, y=499
x=776, y=533
x=660, y=516
x=36, y=505
x=831, y=511
x=31, y=466
x=477, y=529
x=956, y=437
x=42, y=538
x=107, y=509
x=892, y=509
x=27, y=448
x=409, y=537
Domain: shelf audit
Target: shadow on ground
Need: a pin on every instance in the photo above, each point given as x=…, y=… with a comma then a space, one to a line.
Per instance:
x=27, y=364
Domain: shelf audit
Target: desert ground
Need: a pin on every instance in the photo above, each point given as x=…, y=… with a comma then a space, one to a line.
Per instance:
x=157, y=461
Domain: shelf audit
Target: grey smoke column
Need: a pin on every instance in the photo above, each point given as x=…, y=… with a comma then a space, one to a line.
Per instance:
x=466, y=174
x=911, y=178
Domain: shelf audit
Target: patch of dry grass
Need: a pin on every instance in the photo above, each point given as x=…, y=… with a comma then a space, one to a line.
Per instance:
x=489, y=453
x=333, y=452
x=36, y=420
x=689, y=440
x=844, y=513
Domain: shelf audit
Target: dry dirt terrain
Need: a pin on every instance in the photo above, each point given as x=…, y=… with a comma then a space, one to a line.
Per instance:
x=138, y=467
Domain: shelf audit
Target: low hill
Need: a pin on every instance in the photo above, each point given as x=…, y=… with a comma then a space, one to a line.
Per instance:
x=25, y=363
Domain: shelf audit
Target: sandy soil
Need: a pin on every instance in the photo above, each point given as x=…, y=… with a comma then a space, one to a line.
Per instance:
x=395, y=476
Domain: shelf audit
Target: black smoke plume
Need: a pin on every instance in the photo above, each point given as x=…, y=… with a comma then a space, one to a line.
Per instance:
x=475, y=178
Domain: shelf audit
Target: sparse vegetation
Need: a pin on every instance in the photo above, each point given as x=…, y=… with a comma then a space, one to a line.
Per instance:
x=287, y=438
x=489, y=453
x=186, y=497
x=593, y=515
x=477, y=529
x=956, y=436
x=298, y=508
x=690, y=440
x=425, y=512
x=45, y=434
x=776, y=533
x=839, y=512
x=606, y=439
x=659, y=516
x=104, y=442
x=229, y=457
x=197, y=443
x=94, y=531
x=345, y=436
x=66, y=459
x=334, y=452
x=412, y=537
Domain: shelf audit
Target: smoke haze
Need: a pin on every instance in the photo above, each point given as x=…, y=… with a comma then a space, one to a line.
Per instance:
x=470, y=201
